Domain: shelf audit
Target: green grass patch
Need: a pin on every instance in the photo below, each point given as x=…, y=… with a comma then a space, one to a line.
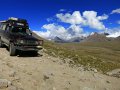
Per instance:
x=104, y=56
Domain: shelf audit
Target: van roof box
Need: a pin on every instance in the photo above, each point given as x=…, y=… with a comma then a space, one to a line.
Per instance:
x=17, y=19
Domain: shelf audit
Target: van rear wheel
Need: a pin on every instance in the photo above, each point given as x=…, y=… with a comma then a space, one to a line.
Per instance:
x=12, y=49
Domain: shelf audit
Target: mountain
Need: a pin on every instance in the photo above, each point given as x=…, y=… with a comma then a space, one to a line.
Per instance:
x=76, y=39
x=118, y=38
x=96, y=37
x=93, y=37
x=59, y=40
x=106, y=34
x=100, y=53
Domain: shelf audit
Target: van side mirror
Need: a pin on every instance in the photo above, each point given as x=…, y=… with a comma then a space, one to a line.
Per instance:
x=29, y=32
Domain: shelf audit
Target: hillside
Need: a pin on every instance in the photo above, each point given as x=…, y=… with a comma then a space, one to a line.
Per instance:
x=103, y=55
x=93, y=37
x=44, y=72
x=66, y=66
x=96, y=37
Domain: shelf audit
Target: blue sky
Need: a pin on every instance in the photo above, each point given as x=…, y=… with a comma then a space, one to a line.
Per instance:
x=38, y=11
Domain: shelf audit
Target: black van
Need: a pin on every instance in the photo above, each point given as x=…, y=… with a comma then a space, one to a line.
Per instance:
x=15, y=34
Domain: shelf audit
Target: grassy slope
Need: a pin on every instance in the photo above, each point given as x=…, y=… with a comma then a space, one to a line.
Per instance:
x=104, y=56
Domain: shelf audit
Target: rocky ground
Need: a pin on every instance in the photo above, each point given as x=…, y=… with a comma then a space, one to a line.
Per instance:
x=45, y=72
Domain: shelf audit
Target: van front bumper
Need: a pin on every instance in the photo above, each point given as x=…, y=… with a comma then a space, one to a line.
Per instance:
x=29, y=48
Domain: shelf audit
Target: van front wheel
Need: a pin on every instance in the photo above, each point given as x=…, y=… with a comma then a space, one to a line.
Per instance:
x=12, y=49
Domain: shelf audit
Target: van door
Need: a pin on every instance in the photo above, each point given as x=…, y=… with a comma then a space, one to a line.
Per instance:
x=5, y=37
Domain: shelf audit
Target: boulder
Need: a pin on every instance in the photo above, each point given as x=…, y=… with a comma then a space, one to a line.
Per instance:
x=4, y=83
x=94, y=70
x=114, y=73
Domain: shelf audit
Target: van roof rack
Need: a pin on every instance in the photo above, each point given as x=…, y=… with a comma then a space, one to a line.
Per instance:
x=12, y=18
x=3, y=21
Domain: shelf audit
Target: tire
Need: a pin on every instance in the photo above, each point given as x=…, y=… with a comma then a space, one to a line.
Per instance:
x=12, y=49
x=1, y=43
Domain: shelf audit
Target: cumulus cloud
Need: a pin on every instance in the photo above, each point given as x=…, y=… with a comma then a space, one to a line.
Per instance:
x=74, y=18
x=93, y=21
x=89, y=18
x=54, y=30
x=103, y=17
x=116, y=11
x=115, y=32
x=76, y=22
x=43, y=34
x=75, y=30
x=114, y=35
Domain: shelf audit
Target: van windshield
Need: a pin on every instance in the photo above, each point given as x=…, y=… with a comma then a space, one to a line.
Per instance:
x=20, y=30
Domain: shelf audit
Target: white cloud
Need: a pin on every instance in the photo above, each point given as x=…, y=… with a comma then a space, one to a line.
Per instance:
x=114, y=35
x=116, y=11
x=54, y=30
x=75, y=29
x=115, y=32
x=89, y=18
x=103, y=17
x=43, y=34
x=93, y=21
x=74, y=18
x=62, y=10
x=118, y=22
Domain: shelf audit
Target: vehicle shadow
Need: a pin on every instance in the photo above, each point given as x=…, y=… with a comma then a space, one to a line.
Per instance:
x=28, y=54
x=25, y=53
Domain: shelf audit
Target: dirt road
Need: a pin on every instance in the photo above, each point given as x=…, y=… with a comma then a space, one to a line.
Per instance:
x=49, y=73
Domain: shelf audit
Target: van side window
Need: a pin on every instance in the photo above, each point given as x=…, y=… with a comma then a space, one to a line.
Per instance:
x=4, y=27
x=7, y=28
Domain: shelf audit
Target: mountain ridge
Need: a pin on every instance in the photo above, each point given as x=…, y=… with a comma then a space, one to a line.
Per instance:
x=94, y=37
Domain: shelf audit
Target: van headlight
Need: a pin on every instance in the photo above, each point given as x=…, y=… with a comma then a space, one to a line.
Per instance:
x=20, y=41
